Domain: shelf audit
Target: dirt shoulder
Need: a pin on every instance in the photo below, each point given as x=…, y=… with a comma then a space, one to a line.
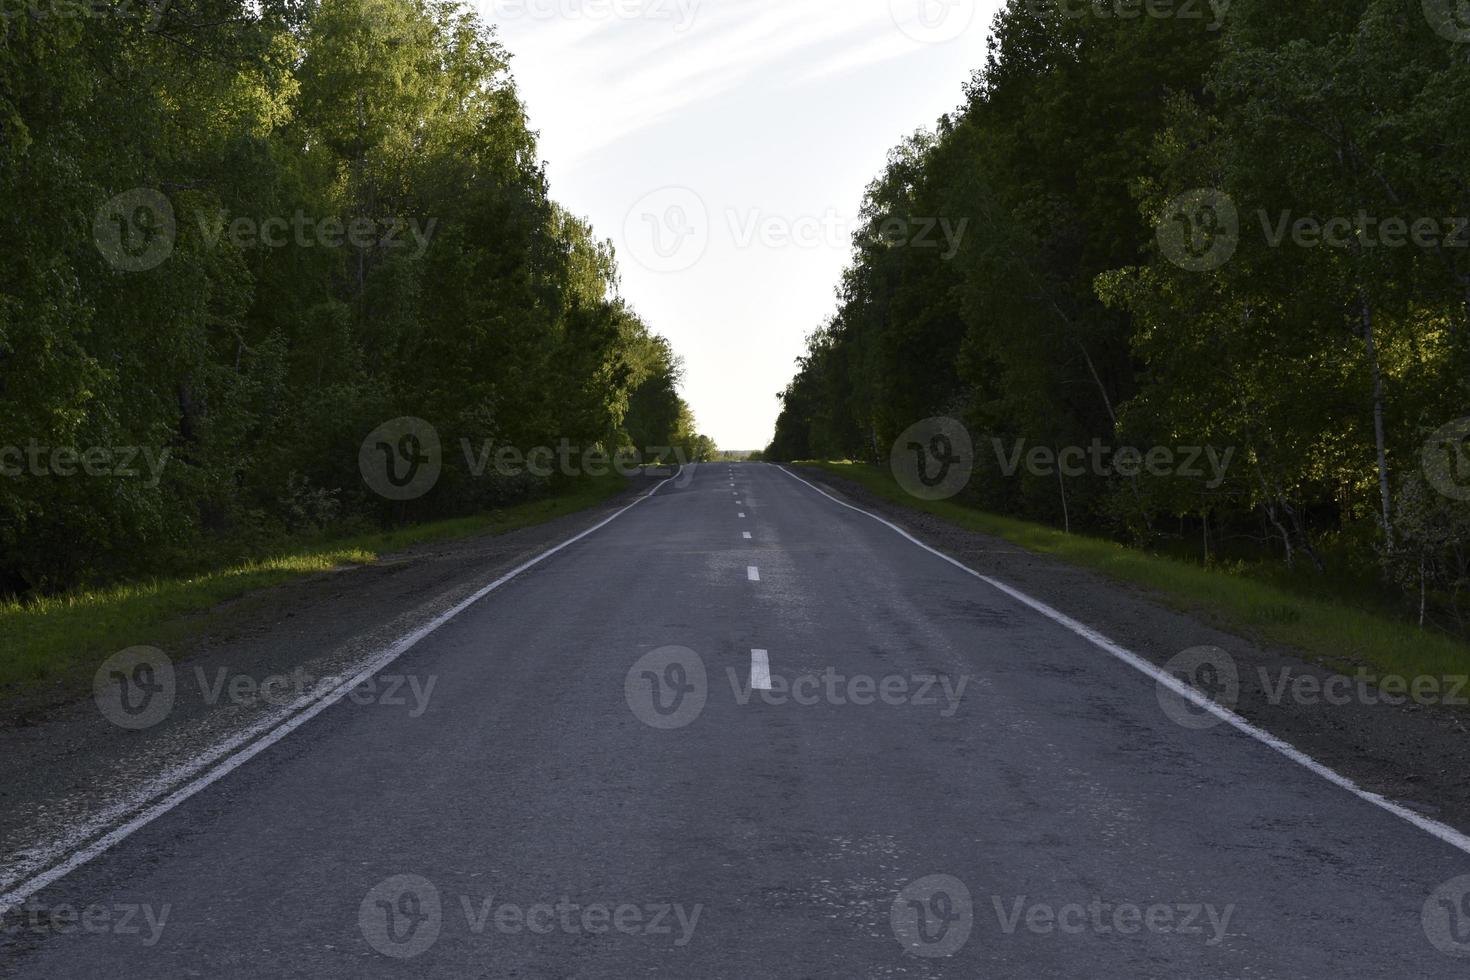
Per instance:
x=1416, y=752
x=62, y=767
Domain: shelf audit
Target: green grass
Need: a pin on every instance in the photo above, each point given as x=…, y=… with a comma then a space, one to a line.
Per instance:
x=55, y=641
x=1337, y=633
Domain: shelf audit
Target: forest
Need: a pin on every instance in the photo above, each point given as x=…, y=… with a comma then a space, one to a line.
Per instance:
x=1246, y=236
x=241, y=237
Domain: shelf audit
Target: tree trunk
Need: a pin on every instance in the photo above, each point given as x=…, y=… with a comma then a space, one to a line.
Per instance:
x=1380, y=442
x=1066, y=517
x=1268, y=504
x=1423, y=592
x=1101, y=388
x=1302, y=536
x=1205, y=521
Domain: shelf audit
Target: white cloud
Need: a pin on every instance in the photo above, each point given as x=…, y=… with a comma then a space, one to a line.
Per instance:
x=781, y=108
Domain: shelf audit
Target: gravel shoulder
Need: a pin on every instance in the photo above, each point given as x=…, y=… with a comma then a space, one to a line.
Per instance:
x=67, y=768
x=1414, y=752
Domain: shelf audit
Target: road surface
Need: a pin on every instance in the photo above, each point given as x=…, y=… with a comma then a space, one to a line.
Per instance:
x=585, y=780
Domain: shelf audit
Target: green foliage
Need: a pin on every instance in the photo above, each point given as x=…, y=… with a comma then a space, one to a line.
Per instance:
x=1330, y=630
x=1064, y=318
x=53, y=643
x=351, y=225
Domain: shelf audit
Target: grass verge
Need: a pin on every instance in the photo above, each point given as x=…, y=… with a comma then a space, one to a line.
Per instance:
x=1335, y=633
x=52, y=641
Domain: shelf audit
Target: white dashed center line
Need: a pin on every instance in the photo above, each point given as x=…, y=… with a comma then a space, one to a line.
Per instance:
x=760, y=670
x=752, y=573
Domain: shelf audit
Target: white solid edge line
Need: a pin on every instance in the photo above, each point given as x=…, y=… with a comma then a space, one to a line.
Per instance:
x=760, y=670
x=309, y=705
x=752, y=573
x=1444, y=832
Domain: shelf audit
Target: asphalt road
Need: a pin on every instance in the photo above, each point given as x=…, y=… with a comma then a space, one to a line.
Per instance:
x=941, y=782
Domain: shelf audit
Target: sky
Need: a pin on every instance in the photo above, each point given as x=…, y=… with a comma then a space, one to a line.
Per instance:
x=724, y=147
